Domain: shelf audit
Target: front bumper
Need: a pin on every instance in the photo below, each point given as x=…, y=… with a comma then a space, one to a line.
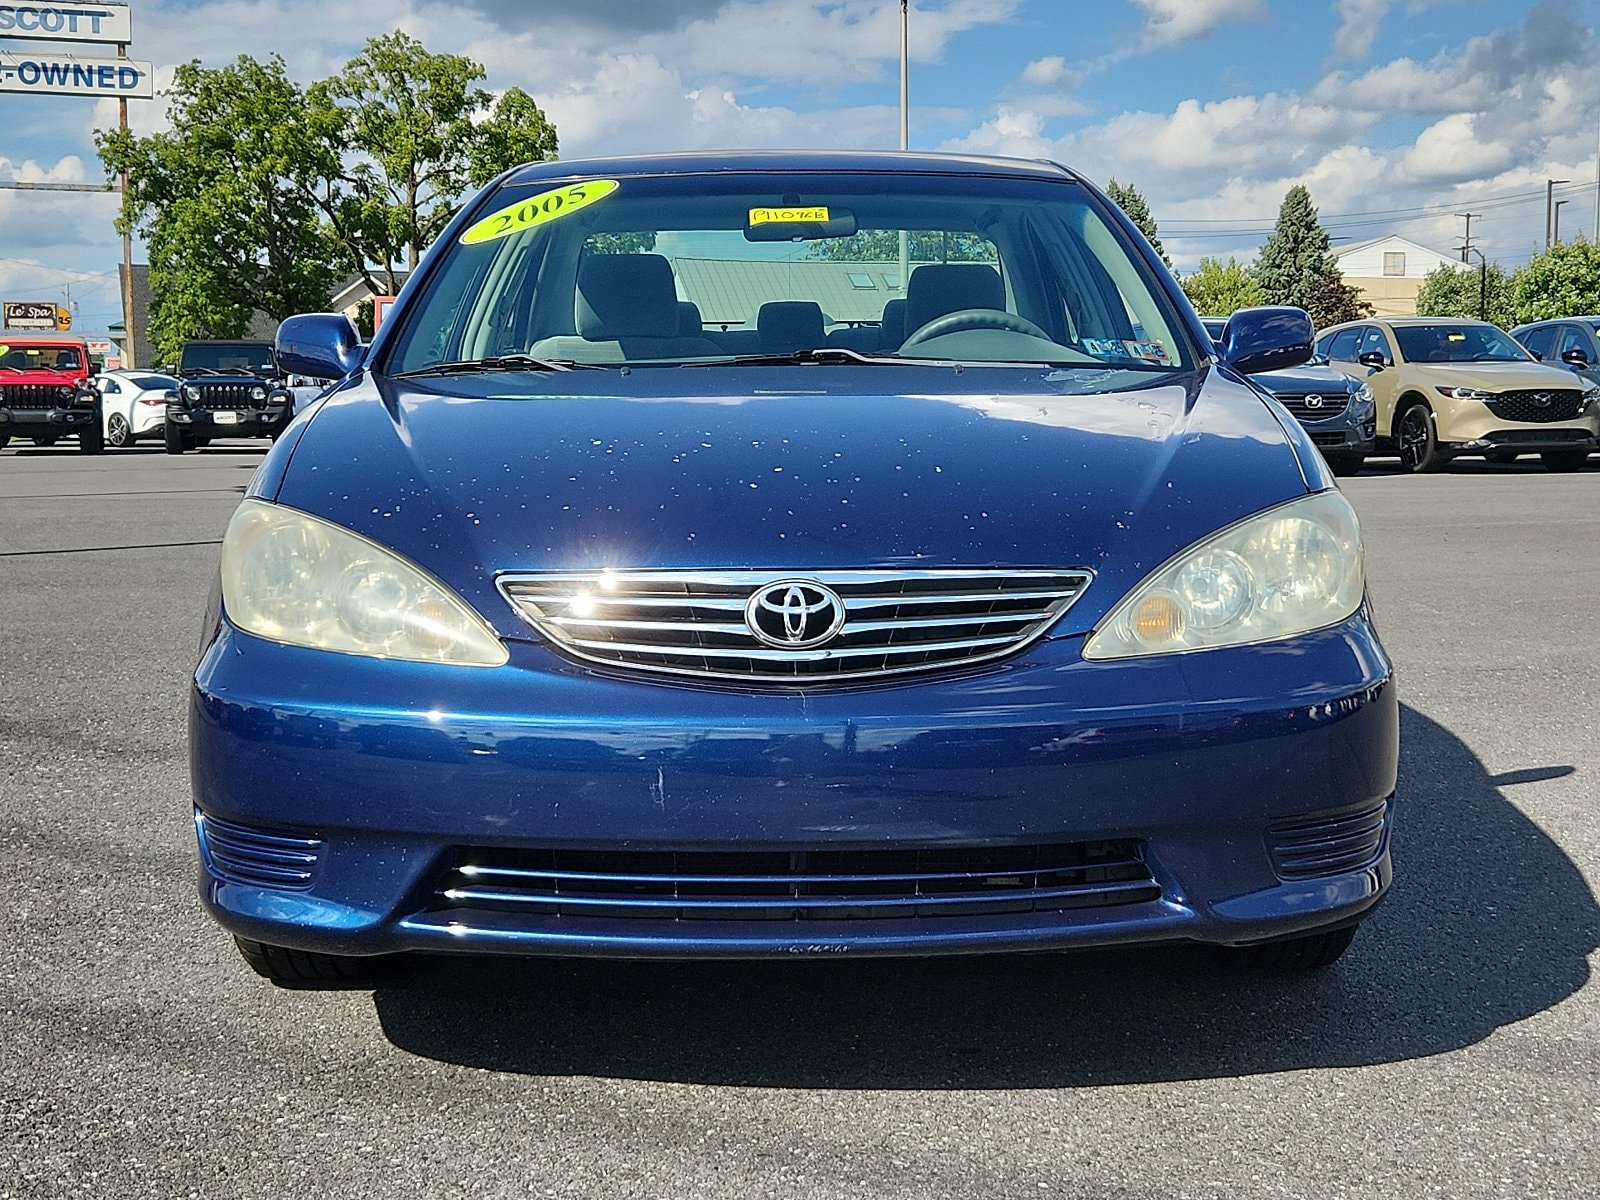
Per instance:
x=240, y=422
x=1468, y=427
x=359, y=807
x=33, y=422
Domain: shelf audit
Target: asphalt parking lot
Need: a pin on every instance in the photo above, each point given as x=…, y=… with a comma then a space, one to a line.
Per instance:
x=1453, y=1052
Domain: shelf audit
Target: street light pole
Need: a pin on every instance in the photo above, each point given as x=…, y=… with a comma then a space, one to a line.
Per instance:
x=1549, y=207
x=1555, y=225
x=905, y=128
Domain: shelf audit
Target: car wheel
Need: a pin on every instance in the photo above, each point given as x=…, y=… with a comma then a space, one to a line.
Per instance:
x=1564, y=460
x=1419, y=449
x=1346, y=464
x=1297, y=954
x=305, y=968
x=1501, y=456
x=91, y=439
x=177, y=440
x=117, y=432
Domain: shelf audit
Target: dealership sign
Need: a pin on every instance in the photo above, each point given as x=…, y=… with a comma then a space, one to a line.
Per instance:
x=110, y=23
x=63, y=75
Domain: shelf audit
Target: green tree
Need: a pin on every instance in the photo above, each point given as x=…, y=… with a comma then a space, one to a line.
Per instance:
x=883, y=245
x=222, y=201
x=1131, y=202
x=414, y=132
x=1295, y=266
x=1450, y=291
x=1563, y=281
x=1218, y=289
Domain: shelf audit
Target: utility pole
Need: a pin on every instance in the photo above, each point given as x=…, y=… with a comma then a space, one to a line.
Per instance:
x=1550, y=208
x=1466, y=241
x=905, y=130
x=130, y=356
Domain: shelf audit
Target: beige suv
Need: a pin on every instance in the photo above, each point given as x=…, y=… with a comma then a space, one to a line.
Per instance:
x=1446, y=387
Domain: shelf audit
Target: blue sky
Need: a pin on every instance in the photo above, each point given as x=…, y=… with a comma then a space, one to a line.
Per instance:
x=1397, y=114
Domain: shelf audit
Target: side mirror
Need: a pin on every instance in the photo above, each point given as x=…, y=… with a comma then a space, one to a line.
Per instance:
x=321, y=345
x=1575, y=358
x=1376, y=359
x=1266, y=339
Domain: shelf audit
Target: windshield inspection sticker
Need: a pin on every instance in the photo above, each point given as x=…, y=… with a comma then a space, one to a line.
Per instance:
x=1149, y=351
x=787, y=216
x=537, y=210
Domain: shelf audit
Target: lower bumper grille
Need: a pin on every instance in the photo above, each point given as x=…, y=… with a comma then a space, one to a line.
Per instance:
x=798, y=886
x=256, y=858
x=1331, y=845
x=1327, y=439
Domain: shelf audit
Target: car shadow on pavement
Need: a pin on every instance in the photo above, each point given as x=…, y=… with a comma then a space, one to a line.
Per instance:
x=1488, y=922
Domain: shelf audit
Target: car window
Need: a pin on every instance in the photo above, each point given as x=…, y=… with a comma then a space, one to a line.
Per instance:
x=1342, y=345
x=1457, y=343
x=663, y=270
x=1538, y=341
x=110, y=387
x=1373, y=341
x=1573, y=338
x=153, y=383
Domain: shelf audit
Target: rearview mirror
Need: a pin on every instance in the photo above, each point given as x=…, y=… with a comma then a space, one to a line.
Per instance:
x=1376, y=359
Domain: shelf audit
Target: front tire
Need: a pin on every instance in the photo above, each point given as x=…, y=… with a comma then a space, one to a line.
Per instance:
x=305, y=968
x=1308, y=953
x=118, y=433
x=177, y=440
x=1419, y=448
x=91, y=439
x=1564, y=460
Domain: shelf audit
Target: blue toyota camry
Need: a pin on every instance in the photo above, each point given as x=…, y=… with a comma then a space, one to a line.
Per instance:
x=772, y=554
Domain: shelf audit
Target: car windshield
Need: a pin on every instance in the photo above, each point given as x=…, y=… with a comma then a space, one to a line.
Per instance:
x=783, y=267
x=40, y=358
x=256, y=359
x=1457, y=343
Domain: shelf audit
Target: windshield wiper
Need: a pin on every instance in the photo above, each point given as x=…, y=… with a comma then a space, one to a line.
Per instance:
x=822, y=354
x=501, y=362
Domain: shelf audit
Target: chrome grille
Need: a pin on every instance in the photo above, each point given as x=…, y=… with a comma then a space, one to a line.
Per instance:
x=255, y=857
x=815, y=885
x=1315, y=406
x=33, y=395
x=699, y=623
x=1537, y=406
x=1332, y=845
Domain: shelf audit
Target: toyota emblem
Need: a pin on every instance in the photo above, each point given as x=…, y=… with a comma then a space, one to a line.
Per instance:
x=794, y=614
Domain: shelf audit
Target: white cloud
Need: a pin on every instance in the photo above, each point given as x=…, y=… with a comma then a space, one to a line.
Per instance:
x=1051, y=72
x=1359, y=29
x=1174, y=22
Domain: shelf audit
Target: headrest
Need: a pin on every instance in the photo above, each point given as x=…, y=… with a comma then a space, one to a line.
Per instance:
x=892, y=330
x=935, y=289
x=789, y=325
x=690, y=322
x=626, y=295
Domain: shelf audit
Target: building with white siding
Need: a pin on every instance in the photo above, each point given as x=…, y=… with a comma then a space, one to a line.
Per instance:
x=1389, y=271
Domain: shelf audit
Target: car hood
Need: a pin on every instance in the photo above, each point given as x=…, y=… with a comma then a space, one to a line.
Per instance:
x=1304, y=379
x=1490, y=376
x=788, y=470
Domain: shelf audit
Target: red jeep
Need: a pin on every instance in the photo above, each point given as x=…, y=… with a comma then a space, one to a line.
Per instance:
x=45, y=393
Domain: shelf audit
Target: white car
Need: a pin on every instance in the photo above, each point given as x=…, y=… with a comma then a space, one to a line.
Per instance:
x=133, y=404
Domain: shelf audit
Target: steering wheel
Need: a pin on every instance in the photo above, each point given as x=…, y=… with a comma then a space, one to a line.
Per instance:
x=964, y=319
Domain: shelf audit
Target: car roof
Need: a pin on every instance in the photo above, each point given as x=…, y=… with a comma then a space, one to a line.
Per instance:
x=839, y=161
x=1558, y=321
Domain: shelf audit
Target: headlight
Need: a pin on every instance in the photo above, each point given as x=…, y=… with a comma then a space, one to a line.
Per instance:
x=1589, y=397
x=66, y=391
x=294, y=578
x=258, y=393
x=1465, y=393
x=1361, y=399
x=1287, y=571
x=190, y=393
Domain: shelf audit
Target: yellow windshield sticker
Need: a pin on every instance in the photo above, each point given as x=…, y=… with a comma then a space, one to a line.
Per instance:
x=1458, y=337
x=786, y=216
x=4, y=349
x=537, y=210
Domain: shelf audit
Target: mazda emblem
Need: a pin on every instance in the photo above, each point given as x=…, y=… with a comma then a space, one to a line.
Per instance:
x=794, y=614
x=1313, y=401
x=1541, y=399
